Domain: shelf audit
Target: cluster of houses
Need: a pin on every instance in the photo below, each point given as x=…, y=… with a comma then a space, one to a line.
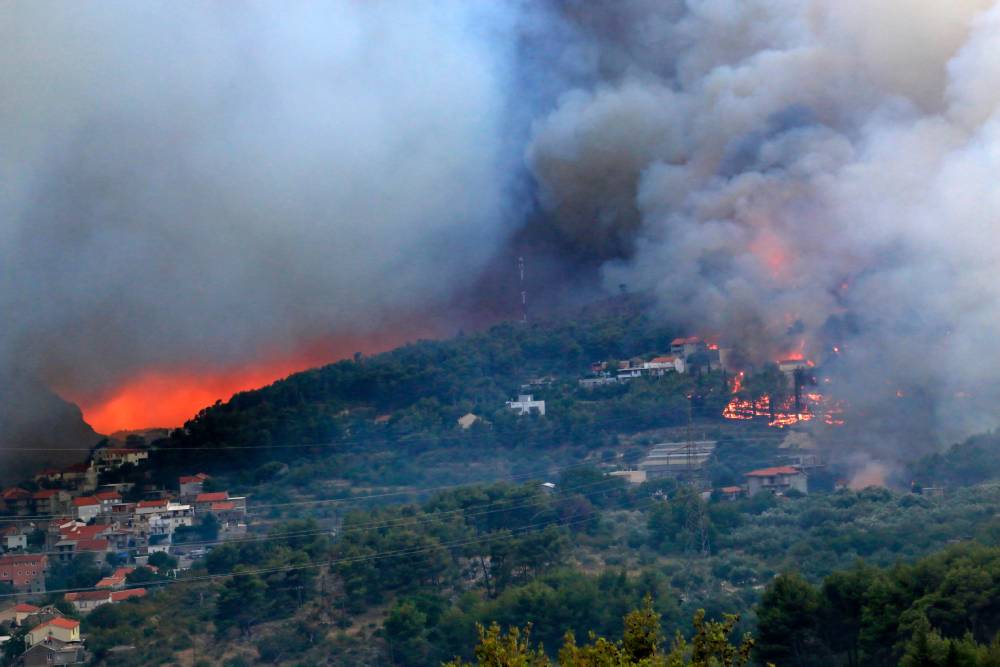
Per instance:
x=70, y=513
x=63, y=522
x=685, y=354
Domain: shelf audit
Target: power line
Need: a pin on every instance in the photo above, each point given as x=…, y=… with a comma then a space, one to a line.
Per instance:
x=531, y=528
x=359, y=498
x=430, y=517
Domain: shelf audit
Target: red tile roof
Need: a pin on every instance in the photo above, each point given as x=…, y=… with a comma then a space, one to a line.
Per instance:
x=86, y=501
x=75, y=532
x=731, y=489
x=161, y=502
x=25, y=608
x=92, y=545
x=218, y=496
x=691, y=340
x=193, y=479
x=43, y=494
x=108, y=495
x=223, y=506
x=87, y=596
x=15, y=493
x=662, y=360
x=64, y=623
x=118, y=596
x=771, y=472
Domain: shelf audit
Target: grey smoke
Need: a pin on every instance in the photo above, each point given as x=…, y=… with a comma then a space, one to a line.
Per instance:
x=858, y=140
x=195, y=183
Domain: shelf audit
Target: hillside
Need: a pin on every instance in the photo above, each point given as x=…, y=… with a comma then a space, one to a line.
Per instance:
x=37, y=424
x=404, y=405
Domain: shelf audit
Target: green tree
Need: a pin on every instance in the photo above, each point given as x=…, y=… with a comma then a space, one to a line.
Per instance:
x=241, y=602
x=787, y=622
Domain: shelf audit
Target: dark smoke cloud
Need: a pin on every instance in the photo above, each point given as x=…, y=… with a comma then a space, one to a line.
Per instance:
x=779, y=170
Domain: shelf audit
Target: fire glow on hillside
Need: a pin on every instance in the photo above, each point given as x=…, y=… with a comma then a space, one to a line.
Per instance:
x=812, y=406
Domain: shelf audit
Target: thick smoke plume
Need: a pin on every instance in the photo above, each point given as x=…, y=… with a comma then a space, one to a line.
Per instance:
x=791, y=172
x=200, y=183
x=205, y=183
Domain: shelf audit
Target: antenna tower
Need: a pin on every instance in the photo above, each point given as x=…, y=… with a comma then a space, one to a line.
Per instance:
x=524, y=292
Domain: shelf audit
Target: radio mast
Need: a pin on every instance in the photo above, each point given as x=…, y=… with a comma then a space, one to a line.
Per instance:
x=524, y=292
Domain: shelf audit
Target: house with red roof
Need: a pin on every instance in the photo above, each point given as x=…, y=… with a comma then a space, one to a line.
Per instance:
x=15, y=537
x=25, y=572
x=731, y=492
x=192, y=485
x=128, y=594
x=16, y=614
x=64, y=630
x=86, y=508
x=51, y=501
x=16, y=500
x=226, y=508
x=115, y=581
x=87, y=601
x=778, y=480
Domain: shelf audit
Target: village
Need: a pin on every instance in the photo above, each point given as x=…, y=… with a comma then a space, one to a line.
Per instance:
x=71, y=512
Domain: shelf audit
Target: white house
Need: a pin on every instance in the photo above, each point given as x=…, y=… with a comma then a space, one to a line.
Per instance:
x=86, y=508
x=525, y=404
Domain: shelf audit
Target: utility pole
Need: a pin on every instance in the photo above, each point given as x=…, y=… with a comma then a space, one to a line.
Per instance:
x=524, y=292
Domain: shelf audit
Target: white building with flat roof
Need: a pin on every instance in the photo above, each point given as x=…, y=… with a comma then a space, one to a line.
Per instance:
x=525, y=404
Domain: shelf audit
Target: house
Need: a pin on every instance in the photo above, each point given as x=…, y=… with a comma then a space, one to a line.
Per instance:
x=16, y=500
x=192, y=485
x=526, y=404
x=87, y=601
x=115, y=581
x=80, y=477
x=467, y=420
x=55, y=653
x=25, y=572
x=50, y=501
x=14, y=538
x=677, y=459
x=665, y=364
x=16, y=614
x=107, y=500
x=731, y=492
x=63, y=630
x=776, y=480
x=129, y=594
x=107, y=459
x=686, y=347
x=86, y=508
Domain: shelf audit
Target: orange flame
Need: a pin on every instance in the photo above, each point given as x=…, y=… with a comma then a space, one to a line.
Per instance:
x=813, y=404
x=167, y=397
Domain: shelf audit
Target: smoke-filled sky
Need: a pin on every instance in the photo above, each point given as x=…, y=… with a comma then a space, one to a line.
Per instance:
x=198, y=184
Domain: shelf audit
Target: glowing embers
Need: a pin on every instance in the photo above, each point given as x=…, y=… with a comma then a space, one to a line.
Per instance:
x=811, y=406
